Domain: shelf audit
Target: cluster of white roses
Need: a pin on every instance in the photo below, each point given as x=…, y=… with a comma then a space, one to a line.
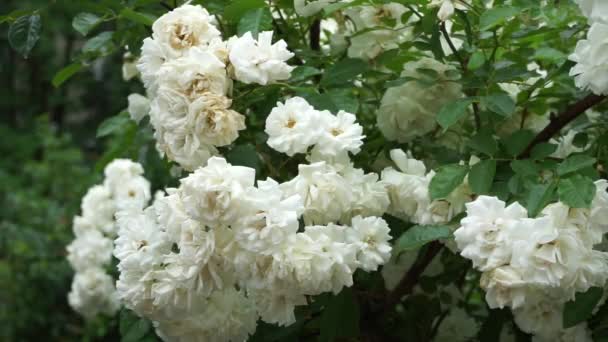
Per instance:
x=535, y=265
x=408, y=188
x=123, y=189
x=205, y=261
x=188, y=71
x=409, y=110
x=333, y=190
x=591, y=70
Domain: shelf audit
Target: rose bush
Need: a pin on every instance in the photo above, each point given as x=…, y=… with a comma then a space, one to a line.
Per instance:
x=359, y=170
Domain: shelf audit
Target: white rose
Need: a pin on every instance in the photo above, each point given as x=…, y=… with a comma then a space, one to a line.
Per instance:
x=259, y=61
x=591, y=56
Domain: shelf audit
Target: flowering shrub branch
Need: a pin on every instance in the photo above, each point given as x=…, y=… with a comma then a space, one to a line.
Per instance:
x=562, y=119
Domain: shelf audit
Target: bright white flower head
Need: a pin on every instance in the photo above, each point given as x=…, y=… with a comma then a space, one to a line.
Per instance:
x=211, y=195
x=339, y=133
x=183, y=28
x=93, y=293
x=484, y=235
x=120, y=171
x=213, y=121
x=326, y=193
x=259, y=61
x=292, y=126
x=175, y=130
x=139, y=107
x=199, y=71
x=371, y=236
x=370, y=196
x=271, y=221
x=591, y=70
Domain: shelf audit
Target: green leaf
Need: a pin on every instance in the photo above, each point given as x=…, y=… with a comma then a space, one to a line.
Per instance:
x=540, y=195
x=255, y=21
x=501, y=104
x=343, y=71
x=575, y=163
x=482, y=175
x=100, y=44
x=581, y=308
x=525, y=167
x=113, y=124
x=24, y=33
x=496, y=16
x=450, y=113
x=418, y=236
x=65, y=73
x=484, y=142
x=303, y=72
x=448, y=177
x=133, y=328
x=542, y=150
x=340, y=318
x=576, y=191
x=85, y=22
x=244, y=155
x=517, y=142
x=476, y=61
x=237, y=9
x=138, y=17
x=549, y=54
x=12, y=16
x=334, y=100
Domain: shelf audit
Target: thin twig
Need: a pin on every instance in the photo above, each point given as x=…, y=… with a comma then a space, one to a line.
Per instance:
x=561, y=120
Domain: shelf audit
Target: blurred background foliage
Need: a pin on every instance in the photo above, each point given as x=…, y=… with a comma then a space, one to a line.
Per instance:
x=49, y=154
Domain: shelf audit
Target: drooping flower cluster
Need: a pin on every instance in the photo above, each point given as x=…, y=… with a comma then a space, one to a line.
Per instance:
x=209, y=258
x=591, y=70
x=408, y=188
x=410, y=110
x=188, y=71
x=124, y=189
x=535, y=265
